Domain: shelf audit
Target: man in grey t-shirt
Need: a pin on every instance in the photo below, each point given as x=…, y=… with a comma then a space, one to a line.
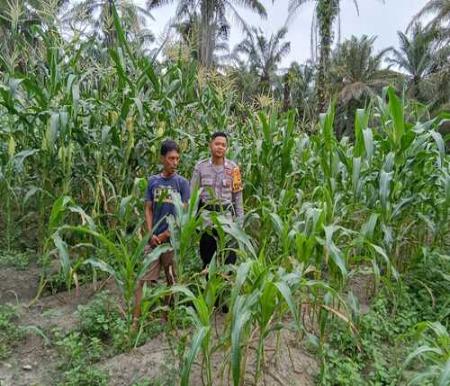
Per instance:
x=158, y=206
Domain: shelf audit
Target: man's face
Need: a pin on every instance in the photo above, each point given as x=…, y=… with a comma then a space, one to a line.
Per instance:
x=218, y=147
x=170, y=161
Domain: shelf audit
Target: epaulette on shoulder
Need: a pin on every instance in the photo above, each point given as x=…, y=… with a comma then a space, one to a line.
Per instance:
x=202, y=162
x=231, y=163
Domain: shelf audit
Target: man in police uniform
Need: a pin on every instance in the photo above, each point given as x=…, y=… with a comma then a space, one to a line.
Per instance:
x=220, y=180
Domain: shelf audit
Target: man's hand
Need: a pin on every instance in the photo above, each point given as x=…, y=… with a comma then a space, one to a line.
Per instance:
x=155, y=241
x=163, y=237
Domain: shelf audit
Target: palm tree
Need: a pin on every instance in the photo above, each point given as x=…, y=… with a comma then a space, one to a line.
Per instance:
x=415, y=57
x=212, y=21
x=440, y=9
x=326, y=13
x=298, y=90
x=95, y=19
x=440, y=80
x=356, y=74
x=263, y=54
x=189, y=29
x=18, y=34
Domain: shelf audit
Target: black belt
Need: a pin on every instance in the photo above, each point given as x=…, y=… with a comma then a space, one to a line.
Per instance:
x=217, y=207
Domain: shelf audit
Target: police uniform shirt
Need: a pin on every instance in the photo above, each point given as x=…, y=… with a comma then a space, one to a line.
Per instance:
x=221, y=184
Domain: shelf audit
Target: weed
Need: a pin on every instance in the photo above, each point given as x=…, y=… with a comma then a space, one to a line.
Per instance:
x=98, y=317
x=10, y=332
x=83, y=376
x=79, y=353
x=18, y=260
x=375, y=355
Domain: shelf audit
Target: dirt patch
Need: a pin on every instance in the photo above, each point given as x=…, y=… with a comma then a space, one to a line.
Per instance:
x=153, y=360
x=34, y=361
x=156, y=360
x=59, y=310
x=17, y=286
x=362, y=285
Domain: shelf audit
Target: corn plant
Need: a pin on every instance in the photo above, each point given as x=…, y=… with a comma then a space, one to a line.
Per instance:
x=433, y=354
x=80, y=133
x=9, y=177
x=201, y=316
x=124, y=263
x=184, y=233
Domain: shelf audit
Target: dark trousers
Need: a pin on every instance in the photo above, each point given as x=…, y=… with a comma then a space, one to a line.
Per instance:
x=208, y=246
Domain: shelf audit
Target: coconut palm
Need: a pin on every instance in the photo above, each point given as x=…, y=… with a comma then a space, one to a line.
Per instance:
x=19, y=21
x=440, y=11
x=415, y=57
x=439, y=92
x=213, y=21
x=326, y=12
x=298, y=89
x=356, y=74
x=264, y=55
x=95, y=19
x=355, y=69
x=189, y=31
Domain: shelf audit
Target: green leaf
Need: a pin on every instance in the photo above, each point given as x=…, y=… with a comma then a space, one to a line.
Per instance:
x=385, y=188
x=241, y=315
x=57, y=212
x=444, y=379
x=368, y=142
x=439, y=143
x=397, y=116
x=63, y=253
x=286, y=292
x=105, y=267
x=196, y=344
x=20, y=158
x=335, y=253
x=151, y=257
x=361, y=122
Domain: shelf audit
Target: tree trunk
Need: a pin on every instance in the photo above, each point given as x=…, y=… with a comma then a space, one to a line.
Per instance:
x=207, y=33
x=264, y=83
x=327, y=11
x=286, y=93
x=415, y=86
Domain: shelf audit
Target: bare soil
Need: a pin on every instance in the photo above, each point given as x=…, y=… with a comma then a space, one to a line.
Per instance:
x=362, y=285
x=35, y=361
x=18, y=286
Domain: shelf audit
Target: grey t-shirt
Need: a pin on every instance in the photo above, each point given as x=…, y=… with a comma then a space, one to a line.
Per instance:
x=159, y=191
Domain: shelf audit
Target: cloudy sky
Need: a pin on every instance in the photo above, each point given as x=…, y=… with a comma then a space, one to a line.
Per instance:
x=376, y=18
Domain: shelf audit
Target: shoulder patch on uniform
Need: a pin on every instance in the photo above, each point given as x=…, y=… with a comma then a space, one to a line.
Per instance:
x=230, y=163
x=237, y=180
x=201, y=162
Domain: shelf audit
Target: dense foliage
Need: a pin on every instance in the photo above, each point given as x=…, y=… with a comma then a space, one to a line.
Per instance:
x=80, y=127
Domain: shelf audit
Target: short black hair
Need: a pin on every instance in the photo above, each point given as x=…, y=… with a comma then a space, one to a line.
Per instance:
x=219, y=134
x=169, y=145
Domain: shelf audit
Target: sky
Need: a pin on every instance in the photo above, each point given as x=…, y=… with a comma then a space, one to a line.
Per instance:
x=376, y=18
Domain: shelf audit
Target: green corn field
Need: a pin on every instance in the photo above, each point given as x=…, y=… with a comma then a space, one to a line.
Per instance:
x=343, y=254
